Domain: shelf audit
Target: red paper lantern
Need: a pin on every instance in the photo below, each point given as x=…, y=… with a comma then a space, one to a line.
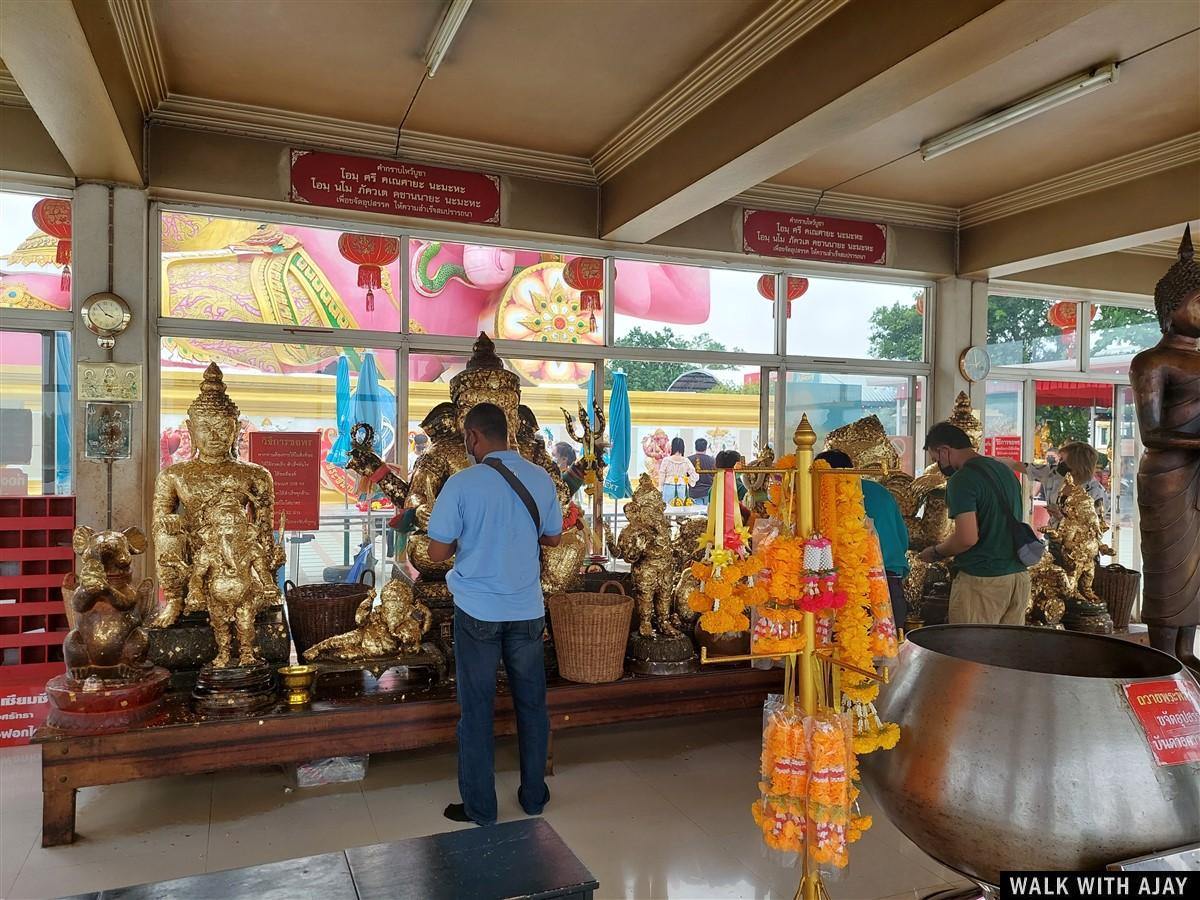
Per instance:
x=1065, y=315
x=53, y=216
x=370, y=252
x=796, y=288
x=586, y=275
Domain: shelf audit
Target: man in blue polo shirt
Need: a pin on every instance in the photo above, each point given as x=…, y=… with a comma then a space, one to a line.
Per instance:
x=493, y=533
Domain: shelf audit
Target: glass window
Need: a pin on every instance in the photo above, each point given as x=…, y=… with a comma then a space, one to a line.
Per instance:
x=1003, y=420
x=35, y=412
x=692, y=308
x=515, y=295
x=858, y=320
x=35, y=273
x=1117, y=333
x=831, y=401
x=290, y=387
x=234, y=270
x=1032, y=332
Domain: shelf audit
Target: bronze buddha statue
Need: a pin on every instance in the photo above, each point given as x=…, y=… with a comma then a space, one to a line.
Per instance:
x=1166, y=385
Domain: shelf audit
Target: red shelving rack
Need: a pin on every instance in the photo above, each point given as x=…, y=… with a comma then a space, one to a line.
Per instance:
x=35, y=554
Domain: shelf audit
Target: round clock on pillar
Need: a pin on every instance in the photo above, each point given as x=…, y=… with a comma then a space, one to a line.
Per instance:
x=974, y=363
x=106, y=315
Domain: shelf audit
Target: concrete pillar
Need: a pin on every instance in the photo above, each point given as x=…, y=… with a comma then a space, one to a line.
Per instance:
x=951, y=335
x=92, y=207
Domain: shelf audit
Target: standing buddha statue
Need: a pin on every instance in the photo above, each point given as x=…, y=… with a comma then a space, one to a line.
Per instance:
x=212, y=522
x=1166, y=385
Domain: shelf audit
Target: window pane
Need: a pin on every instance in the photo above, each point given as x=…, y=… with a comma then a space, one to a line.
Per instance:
x=1003, y=420
x=35, y=413
x=831, y=401
x=691, y=308
x=515, y=295
x=1031, y=332
x=273, y=399
x=858, y=320
x=32, y=276
x=232, y=270
x=1117, y=333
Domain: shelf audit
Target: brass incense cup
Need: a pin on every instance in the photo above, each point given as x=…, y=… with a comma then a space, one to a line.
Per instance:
x=297, y=683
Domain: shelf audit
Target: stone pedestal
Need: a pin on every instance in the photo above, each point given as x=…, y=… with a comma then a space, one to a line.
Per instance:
x=1088, y=618
x=232, y=692
x=661, y=654
x=76, y=707
x=186, y=646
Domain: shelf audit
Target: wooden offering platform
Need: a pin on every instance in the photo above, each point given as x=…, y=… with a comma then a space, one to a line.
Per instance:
x=524, y=859
x=367, y=717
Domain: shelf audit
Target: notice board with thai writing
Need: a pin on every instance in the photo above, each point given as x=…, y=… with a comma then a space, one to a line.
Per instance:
x=293, y=458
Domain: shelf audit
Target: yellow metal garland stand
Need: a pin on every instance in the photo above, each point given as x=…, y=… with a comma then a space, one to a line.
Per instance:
x=812, y=675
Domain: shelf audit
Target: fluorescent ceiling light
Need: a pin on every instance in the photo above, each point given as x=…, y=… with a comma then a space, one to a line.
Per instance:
x=439, y=44
x=1055, y=95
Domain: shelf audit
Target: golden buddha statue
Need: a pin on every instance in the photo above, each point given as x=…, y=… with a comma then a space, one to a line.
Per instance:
x=485, y=380
x=1166, y=385
x=212, y=524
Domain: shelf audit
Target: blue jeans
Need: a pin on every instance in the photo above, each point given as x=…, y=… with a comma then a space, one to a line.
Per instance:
x=478, y=648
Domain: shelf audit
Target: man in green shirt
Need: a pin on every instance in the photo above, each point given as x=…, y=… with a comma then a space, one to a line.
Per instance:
x=992, y=585
x=884, y=512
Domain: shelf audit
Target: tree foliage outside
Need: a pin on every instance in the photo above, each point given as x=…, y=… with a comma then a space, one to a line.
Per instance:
x=658, y=376
x=1020, y=334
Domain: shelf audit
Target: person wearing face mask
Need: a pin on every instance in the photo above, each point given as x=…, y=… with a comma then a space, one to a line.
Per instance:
x=1075, y=458
x=492, y=517
x=992, y=585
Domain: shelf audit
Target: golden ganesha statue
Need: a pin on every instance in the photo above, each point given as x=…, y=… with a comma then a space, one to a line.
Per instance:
x=395, y=627
x=485, y=380
x=1067, y=574
x=212, y=524
x=645, y=543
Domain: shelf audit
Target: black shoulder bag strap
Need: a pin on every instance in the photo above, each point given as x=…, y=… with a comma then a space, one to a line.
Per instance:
x=521, y=491
x=998, y=491
x=1027, y=545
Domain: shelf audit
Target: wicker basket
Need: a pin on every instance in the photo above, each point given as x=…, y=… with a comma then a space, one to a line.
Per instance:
x=590, y=634
x=1118, y=587
x=319, y=611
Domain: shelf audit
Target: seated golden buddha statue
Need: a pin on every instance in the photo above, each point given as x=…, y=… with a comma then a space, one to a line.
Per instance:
x=485, y=380
x=212, y=524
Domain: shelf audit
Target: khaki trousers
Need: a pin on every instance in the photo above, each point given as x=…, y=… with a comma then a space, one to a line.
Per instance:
x=1001, y=600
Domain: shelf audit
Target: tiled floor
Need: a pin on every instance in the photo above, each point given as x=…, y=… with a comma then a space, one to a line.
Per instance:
x=656, y=809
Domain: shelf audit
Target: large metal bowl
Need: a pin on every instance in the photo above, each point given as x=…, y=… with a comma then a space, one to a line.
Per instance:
x=1019, y=751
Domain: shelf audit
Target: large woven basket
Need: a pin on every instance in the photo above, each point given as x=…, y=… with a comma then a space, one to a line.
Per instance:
x=591, y=631
x=1118, y=587
x=319, y=611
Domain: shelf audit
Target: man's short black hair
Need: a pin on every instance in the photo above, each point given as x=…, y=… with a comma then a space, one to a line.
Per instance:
x=944, y=434
x=837, y=459
x=701, y=445
x=489, y=420
x=727, y=459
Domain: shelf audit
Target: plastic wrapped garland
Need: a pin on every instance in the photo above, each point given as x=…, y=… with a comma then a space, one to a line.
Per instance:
x=819, y=589
x=779, y=812
x=777, y=630
x=884, y=642
x=829, y=790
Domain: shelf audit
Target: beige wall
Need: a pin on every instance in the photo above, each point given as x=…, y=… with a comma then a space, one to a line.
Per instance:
x=25, y=145
x=1125, y=273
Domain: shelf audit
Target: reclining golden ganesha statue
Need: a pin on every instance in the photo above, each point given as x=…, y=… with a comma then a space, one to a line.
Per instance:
x=485, y=380
x=394, y=627
x=212, y=521
x=1062, y=580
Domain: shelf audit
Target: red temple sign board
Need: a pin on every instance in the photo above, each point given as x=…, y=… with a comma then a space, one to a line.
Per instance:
x=293, y=458
x=1169, y=713
x=395, y=188
x=1003, y=446
x=796, y=236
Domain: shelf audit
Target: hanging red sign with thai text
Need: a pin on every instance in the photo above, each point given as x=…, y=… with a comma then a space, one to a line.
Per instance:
x=796, y=236
x=294, y=460
x=1003, y=446
x=1169, y=713
x=393, y=187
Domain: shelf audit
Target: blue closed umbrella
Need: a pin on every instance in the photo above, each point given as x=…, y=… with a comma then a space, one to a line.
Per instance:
x=339, y=453
x=370, y=399
x=591, y=398
x=616, y=479
x=62, y=412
